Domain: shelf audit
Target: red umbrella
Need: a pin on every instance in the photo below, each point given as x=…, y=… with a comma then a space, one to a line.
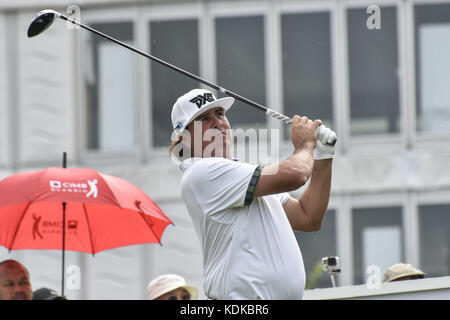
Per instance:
x=99, y=212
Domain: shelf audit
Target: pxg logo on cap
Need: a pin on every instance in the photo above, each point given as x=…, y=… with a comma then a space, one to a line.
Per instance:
x=200, y=100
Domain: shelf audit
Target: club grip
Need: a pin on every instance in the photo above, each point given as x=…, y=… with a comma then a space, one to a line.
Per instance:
x=287, y=120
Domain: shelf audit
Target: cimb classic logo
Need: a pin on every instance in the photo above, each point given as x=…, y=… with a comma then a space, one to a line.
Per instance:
x=46, y=227
x=89, y=188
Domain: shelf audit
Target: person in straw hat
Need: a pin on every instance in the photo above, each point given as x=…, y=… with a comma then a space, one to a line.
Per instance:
x=402, y=271
x=171, y=287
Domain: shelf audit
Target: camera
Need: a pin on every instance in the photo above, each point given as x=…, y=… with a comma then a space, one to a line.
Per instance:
x=331, y=264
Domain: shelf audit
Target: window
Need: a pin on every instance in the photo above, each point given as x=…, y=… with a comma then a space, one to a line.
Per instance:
x=111, y=89
x=432, y=32
x=373, y=73
x=177, y=43
x=315, y=246
x=306, y=58
x=434, y=230
x=377, y=240
x=241, y=66
x=4, y=135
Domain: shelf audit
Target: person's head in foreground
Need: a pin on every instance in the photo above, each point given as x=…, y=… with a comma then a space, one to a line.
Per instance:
x=171, y=287
x=200, y=125
x=402, y=271
x=46, y=294
x=14, y=281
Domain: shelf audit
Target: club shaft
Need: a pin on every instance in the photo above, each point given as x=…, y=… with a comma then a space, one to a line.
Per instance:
x=171, y=66
x=268, y=111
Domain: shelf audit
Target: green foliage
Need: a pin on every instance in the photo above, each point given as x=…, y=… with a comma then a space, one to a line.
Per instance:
x=314, y=275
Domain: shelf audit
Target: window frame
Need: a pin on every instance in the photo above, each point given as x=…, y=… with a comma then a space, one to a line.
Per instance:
x=427, y=198
x=374, y=143
x=164, y=12
x=6, y=112
x=251, y=9
x=420, y=140
x=98, y=157
x=374, y=201
x=245, y=9
x=329, y=7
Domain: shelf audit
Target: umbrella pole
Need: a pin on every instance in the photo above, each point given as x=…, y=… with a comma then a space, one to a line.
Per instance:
x=63, y=247
x=64, y=165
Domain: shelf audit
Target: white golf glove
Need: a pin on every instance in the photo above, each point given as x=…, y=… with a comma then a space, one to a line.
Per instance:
x=323, y=149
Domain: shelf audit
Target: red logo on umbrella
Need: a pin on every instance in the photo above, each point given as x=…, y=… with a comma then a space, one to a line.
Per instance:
x=36, y=226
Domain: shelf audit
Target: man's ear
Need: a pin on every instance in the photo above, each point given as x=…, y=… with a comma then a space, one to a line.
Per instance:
x=185, y=138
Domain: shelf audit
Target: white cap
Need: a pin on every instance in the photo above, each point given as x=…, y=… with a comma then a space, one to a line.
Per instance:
x=166, y=283
x=192, y=104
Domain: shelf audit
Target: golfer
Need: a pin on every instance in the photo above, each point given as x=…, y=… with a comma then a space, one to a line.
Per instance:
x=242, y=212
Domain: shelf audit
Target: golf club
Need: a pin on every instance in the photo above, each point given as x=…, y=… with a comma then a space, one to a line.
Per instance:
x=45, y=18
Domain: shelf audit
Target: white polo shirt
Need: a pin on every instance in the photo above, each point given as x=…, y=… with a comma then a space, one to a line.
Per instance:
x=249, y=249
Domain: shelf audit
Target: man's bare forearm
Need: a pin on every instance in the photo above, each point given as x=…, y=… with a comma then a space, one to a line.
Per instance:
x=314, y=199
x=287, y=175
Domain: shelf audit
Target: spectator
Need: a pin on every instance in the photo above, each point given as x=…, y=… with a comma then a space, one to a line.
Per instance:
x=14, y=281
x=171, y=287
x=46, y=294
x=402, y=271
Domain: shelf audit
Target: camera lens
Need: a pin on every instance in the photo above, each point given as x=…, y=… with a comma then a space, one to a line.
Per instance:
x=331, y=261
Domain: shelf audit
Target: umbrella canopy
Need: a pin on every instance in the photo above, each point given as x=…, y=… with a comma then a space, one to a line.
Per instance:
x=101, y=211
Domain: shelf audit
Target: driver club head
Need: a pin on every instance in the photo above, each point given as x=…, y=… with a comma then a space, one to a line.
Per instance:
x=41, y=22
